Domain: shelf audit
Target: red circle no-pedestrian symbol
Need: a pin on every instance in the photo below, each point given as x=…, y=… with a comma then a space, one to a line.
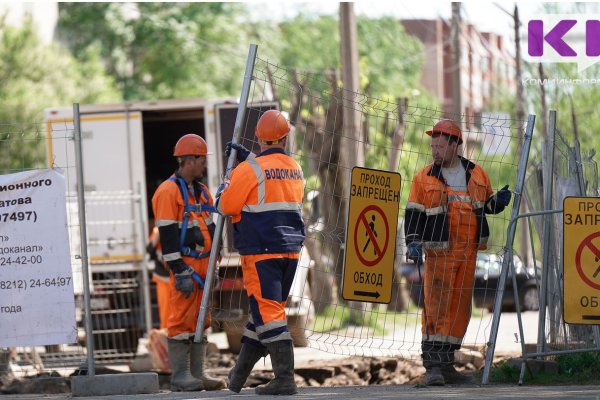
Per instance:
x=591, y=276
x=372, y=229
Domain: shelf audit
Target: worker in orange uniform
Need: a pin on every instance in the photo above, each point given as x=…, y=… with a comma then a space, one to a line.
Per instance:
x=182, y=208
x=160, y=276
x=264, y=198
x=445, y=215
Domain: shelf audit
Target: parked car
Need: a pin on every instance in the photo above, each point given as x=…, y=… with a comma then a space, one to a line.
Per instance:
x=487, y=275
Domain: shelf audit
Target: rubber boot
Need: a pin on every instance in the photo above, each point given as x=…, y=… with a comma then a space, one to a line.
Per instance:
x=198, y=355
x=249, y=355
x=179, y=358
x=433, y=377
x=282, y=359
x=452, y=376
x=432, y=361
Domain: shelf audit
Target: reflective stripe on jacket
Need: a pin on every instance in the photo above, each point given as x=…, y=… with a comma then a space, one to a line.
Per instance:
x=264, y=198
x=168, y=207
x=426, y=218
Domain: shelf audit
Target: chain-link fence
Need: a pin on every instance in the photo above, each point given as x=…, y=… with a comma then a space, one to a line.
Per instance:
x=564, y=170
x=26, y=147
x=388, y=136
x=119, y=307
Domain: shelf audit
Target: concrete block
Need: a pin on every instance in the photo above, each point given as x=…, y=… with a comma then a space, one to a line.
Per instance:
x=114, y=384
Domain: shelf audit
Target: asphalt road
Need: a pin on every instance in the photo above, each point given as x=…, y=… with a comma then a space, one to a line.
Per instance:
x=375, y=393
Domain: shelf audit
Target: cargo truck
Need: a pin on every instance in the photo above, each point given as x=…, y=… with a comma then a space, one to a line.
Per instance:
x=126, y=153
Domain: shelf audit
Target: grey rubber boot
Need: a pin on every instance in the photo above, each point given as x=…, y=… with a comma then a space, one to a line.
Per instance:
x=249, y=355
x=282, y=359
x=450, y=374
x=433, y=377
x=198, y=355
x=179, y=358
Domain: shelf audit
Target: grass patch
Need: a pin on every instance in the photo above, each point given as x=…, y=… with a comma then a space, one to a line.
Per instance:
x=581, y=368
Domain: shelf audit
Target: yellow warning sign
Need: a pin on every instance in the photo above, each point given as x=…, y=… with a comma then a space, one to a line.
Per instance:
x=581, y=261
x=371, y=235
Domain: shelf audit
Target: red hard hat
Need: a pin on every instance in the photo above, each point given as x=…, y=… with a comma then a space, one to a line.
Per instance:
x=272, y=126
x=447, y=127
x=190, y=145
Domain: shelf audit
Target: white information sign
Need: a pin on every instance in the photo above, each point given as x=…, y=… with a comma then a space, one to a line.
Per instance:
x=37, y=305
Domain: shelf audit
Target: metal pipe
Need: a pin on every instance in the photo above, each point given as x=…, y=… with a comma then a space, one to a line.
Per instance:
x=557, y=353
x=214, y=251
x=89, y=334
x=144, y=269
x=548, y=172
x=510, y=237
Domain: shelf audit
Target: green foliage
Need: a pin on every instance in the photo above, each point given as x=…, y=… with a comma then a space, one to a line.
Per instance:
x=577, y=368
x=36, y=76
x=582, y=366
x=390, y=59
x=161, y=50
x=504, y=373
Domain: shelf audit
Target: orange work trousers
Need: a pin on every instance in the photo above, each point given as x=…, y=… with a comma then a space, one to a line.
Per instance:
x=449, y=277
x=163, y=286
x=268, y=280
x=183, y=313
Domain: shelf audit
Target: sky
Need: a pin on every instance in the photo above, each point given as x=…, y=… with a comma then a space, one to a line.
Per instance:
x=485, y=15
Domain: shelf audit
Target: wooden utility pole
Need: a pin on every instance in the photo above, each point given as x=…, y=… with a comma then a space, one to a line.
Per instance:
x=520, y=110
x=457, y=108
x=353, y=143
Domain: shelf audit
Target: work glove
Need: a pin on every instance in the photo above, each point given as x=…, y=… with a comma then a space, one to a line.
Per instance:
x=184, y=282
x=242, y=152
x=503, y=196
x=415, y=252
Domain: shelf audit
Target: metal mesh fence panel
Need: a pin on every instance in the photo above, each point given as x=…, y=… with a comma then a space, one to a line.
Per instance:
x=26, y=147
x=390, y=137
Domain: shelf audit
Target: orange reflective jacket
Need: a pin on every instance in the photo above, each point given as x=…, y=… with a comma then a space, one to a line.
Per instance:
x=264, y=198
x=168, y=207
x=426, y=218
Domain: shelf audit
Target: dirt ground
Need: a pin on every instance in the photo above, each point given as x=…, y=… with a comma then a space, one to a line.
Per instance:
x=360, y=371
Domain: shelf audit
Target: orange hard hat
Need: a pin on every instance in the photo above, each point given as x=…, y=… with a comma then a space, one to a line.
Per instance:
x=447, y=127
x=272, y=126
x=190, y=145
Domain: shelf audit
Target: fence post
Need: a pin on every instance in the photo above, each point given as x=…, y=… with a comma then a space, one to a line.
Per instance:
x=144, y=267
x=548, y=176
x=214, y=251
x=89, y=334
x=508, y=254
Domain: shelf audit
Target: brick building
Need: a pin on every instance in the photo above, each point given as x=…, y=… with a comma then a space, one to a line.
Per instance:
x=486, y=66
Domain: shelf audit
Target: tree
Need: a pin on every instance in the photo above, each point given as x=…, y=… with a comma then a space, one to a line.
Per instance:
x=311, y=91
x=161, y=50
x=35, y=76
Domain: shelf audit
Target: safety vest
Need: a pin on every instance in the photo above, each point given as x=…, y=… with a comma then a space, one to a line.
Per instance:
x=264, y=198
x=426, y=218
x=196, y=208
x=184, y=221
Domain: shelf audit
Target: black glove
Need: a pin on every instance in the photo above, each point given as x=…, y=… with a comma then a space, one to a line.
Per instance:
x=503, y=196
x=184, y=282
x=415, y=252
x=242, y=152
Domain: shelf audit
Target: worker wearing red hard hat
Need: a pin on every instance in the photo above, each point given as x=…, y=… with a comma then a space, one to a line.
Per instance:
x=264, y=199
x=445, y=216
x=182, y=209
